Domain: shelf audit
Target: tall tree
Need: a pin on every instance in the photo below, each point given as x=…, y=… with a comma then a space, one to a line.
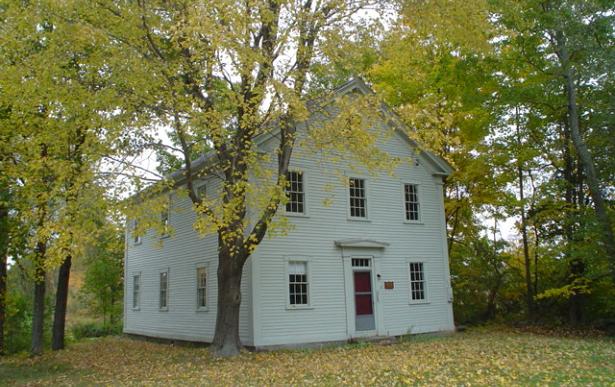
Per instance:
x=572, y=41
x=64, y=119
x=219, y=74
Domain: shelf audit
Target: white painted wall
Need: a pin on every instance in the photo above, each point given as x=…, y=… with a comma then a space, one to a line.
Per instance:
x=313, y=237
x=181, y=253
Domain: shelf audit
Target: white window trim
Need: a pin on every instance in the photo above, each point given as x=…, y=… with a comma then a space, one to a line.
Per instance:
x=287, y=261
x=367, y=200
x=166, y=308
x=305, y=213
x=425, y=281
x=403, y=202
x=136, y=239
x=196, y=287
x=132, y=277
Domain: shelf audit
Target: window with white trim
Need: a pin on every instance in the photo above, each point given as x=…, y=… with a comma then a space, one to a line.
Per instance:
x=201, y=191
x=164, y=219
x=201, y=287
x=298, y=283
x=417, y=281
x=295, y=192
x=136, y=290
x=411, y=202
x=358, y=198
x=135, y=236
x=163, y=297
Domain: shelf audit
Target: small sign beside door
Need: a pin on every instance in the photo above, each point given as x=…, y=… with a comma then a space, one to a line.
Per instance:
x=389, y=285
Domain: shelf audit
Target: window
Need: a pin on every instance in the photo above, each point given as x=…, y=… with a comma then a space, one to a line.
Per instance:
x=164, y=290
x=201, y=191
x=411, y=202
x=164, y=219
x=297, y=283
x=358, y=200
x=201, y=288
x=417, y=282
x=295, y=193
x=136, y=290
x=361, y=262
x=136, y=238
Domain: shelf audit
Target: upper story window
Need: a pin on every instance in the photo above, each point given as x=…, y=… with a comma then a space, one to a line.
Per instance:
x=358, y=198
x=163, y=296
x=136, y=290
x=136, y=238
x=411, y=202
x=417, y=282
x=164, y=220
x=298, y=283
x=201, y=191
x=295, y=193
x=201, y=287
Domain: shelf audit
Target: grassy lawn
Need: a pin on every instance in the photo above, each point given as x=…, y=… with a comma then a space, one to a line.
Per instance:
x=476, y=357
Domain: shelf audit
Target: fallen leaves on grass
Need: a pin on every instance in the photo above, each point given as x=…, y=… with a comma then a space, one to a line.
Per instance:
x=472, y=358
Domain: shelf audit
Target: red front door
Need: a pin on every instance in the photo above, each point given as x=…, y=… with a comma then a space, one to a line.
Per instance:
x=363, y=293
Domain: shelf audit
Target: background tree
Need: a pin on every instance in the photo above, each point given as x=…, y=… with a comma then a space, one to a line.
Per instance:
x=63, y=118
x=104, y=274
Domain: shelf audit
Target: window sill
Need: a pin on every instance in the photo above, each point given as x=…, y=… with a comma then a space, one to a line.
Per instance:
x=202, y=309
x=163, y=309
x=165, y=236
x=350, y=219
x=135, y=309
x=419, y=302
x=137, y=243
x=296, y=215
x=413, y=222
x=300, y=307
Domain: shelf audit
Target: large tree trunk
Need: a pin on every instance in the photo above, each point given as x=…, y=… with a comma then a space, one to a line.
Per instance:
x=584, y=156
x=59, y=316
x=3, y=271
x=226, y=340
x=38, y=313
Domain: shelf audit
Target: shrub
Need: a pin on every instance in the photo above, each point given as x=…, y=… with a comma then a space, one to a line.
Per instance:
x=93, y=329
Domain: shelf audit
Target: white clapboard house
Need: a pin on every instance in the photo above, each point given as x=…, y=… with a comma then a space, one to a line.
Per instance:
x=371, y=262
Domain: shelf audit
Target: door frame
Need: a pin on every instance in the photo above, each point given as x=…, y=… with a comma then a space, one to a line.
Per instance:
x=349, y=289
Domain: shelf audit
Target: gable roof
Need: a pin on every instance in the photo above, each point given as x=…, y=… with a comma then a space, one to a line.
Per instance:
x=440, y=166
x=437, y=164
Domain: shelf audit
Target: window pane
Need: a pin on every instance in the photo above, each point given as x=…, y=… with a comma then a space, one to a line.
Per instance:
x=135, y=291
x=357, y=197
x=417, y=281
x=163, y=289
x=201, y=277
x=297, y=283
x=201, y=191
x=411, y=201
x=295, y=192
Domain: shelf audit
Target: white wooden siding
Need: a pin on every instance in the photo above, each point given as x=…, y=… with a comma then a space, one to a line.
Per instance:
x=181, y=253
x=314, y=236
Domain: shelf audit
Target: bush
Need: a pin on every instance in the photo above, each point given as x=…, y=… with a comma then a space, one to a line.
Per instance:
x=92, y=329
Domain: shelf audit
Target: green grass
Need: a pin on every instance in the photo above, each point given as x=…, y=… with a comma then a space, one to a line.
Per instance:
x=493, y=356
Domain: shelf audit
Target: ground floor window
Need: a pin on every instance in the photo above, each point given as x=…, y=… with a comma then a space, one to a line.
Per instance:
x=136, y=290
x=164, y=290
x=298, y=283
x=417, y=281
x=201, y=287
